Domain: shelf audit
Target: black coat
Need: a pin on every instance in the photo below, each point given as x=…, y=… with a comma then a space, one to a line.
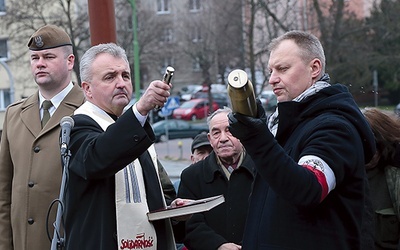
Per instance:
x=90, y=215
x=286, y=207
x=224, y=223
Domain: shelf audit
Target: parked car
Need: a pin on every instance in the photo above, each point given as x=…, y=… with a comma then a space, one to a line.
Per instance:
x=187, y=92
x=193, y=110
x=268, y=100
x=220, y=98
x=177, y=129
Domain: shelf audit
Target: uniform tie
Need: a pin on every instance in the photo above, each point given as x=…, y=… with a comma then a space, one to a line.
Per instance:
x=46, y=114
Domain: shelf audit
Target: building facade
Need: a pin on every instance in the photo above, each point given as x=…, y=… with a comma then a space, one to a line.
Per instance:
x=202, y=39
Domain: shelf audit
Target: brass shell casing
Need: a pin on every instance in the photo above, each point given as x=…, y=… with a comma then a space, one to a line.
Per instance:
x=169, y=72
x=241, y=93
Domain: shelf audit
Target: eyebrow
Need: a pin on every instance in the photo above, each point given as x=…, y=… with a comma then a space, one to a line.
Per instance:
x=43, y=54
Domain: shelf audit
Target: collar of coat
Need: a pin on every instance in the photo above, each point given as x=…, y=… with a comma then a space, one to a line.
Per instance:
x=211, y=167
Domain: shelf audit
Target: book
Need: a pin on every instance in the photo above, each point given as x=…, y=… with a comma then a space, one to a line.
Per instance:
x=195, y=206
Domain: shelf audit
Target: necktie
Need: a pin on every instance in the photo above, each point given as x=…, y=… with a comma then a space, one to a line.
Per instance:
x=46, y=114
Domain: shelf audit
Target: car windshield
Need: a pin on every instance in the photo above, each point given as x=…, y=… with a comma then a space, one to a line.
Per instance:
x=188, y=105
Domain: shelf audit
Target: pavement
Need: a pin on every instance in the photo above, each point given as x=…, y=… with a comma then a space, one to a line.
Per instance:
x=174, y=155
x=174, y=168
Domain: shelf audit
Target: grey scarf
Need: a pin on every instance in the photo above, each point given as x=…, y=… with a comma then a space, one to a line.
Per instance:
x=322, y=83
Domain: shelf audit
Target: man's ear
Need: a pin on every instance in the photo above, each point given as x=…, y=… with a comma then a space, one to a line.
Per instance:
x=71, y=61
x=87, y=90
x=316, y=67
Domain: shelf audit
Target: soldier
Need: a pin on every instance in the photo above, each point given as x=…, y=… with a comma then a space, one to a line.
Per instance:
x=30, y=163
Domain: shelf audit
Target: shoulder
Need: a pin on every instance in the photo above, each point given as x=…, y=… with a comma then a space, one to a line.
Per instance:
x=75, y=97
x=17, y=106
x=248, y=163
x=81, y=120
x=14, y=107
x=193, y=169
x=208, y=165
x=17, y=103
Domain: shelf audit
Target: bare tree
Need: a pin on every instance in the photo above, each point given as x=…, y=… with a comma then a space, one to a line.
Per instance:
x=383, y=34
x=343, y=36
x=24, y=17
x=151, y=30
x=266, y=20
x=341, y=32
x=212, y=40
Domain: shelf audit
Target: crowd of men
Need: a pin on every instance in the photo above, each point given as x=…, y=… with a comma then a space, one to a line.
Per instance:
x=295, y=179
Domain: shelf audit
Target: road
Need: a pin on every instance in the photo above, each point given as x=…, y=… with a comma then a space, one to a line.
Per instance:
x=174, y=156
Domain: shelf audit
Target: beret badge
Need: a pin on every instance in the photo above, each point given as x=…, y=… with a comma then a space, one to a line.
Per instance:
x=38, y=41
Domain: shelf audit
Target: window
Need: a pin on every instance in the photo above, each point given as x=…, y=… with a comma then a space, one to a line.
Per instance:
x=163, y=6
x=3, y=48
x=166, y=36
x=196, y=65
x=5, y=99
x=194, y=5
x=196, y=35
x=2, y=7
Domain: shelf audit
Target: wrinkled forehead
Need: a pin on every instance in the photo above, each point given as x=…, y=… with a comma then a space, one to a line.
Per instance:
x=220, y=120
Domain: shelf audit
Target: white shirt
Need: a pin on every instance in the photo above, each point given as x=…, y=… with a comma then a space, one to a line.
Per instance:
x=56, y=100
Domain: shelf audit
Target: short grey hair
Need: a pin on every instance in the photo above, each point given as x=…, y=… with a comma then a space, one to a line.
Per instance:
x=309, y=45
x=91, y=54
x=216, y=112
x=67, y=50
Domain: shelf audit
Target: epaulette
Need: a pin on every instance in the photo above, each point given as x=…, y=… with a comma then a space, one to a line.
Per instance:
x=17, y=102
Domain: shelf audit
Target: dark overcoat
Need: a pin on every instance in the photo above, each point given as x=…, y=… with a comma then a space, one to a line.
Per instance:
x=224, y=223
x=97, y=155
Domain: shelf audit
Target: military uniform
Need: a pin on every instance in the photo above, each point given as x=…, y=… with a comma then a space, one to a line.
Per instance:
x=30, y=162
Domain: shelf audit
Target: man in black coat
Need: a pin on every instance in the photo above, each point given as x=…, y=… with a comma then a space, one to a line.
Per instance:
x=311, y=189
x=228, y=170
x=114, y=175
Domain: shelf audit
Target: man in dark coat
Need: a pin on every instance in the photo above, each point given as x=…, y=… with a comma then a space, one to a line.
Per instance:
x=228, y=170
x=114, y=175
x=310, y=188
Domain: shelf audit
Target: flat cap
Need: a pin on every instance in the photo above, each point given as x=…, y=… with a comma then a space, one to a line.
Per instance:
x=199, y=141
x=48, y=37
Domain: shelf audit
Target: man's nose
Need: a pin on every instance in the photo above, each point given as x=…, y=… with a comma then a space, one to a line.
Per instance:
x=273, y=78
x=40, y=62
x=121, y=82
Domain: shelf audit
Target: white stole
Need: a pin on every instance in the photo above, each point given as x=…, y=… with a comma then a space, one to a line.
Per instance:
x=133, y=227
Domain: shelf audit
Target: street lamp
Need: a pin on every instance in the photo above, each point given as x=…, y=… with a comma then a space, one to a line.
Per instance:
x=136, y=68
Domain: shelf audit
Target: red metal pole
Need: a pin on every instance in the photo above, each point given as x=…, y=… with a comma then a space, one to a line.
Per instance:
x=102, y=21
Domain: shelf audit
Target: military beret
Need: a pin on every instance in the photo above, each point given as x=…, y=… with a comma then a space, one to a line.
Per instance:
x=48, y=37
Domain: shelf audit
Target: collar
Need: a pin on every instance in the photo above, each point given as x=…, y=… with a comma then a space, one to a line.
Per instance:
x=211, y=167
x=323, y=82
x=100, y=116
x=229, y=169
x=57, y=99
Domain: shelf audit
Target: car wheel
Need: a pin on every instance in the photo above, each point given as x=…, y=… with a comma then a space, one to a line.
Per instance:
x=193, y=118
x=163, y=138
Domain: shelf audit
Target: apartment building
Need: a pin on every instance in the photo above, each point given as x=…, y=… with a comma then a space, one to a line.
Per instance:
x=202, y=39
